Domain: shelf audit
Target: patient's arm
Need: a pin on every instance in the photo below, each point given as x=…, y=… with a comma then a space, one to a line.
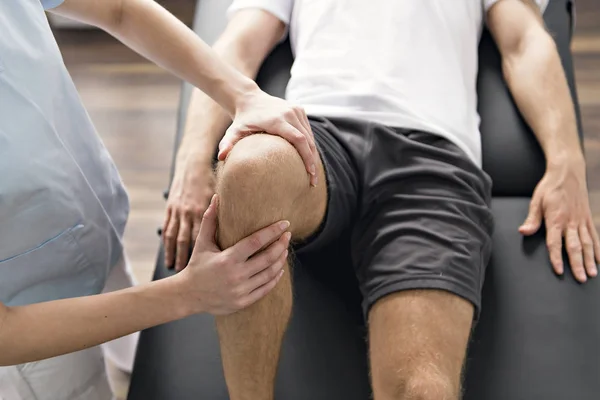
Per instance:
x=534, y=74
x=247, y=40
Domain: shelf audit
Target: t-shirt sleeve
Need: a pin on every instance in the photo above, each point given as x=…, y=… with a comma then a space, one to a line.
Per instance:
x=49, y=4
x=487, y=4
x=282, y=9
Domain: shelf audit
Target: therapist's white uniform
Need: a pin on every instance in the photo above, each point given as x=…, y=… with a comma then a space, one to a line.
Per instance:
x=63, y=207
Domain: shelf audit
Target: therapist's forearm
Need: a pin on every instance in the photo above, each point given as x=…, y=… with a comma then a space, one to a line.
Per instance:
x=538, y=84
x=49, y=329
x=148, y=29
x=206, y=121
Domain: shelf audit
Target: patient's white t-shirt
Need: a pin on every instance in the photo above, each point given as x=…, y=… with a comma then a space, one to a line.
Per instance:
x=401, y=63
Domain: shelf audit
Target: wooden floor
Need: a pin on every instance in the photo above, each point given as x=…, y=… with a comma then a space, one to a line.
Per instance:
x=134, y=103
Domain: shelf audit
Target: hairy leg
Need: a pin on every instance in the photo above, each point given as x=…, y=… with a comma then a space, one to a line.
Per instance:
x=262, y=180
x=418, y=341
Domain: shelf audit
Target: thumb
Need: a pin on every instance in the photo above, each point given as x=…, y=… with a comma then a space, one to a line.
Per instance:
x=208, y=227
x=534, y=219
x=226, y=144
x=224, y=148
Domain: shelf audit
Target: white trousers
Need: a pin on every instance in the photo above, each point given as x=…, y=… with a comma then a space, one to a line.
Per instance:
x=75, y=376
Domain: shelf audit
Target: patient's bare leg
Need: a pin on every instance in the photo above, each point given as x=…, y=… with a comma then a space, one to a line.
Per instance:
x=263, y=180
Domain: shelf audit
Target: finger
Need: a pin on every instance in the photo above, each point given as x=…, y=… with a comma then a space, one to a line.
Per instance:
x=588, y=251
x=300, y=142
x=208, y=226
x=596, y=240
x=534, y=217
x=246, y=247
x=554, y=243
x=267, y=275
x=163, y=230
x=262, y=291
x=183, y=243
x=307, y=129
x=197, y=222
x=311, y=143
x=170, y=239
x=167, y=220
x=268, y=256
x=574, y=250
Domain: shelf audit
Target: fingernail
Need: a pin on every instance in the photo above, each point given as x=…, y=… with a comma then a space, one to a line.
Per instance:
x=313, y=169
x=284, y=225
x=288, y=236
x=285, y=254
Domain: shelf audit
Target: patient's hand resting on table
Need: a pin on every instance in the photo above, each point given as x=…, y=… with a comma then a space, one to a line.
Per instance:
x=561, y=201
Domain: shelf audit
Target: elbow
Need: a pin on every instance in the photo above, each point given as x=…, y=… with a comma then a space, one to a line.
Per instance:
x=114, y=20
x=532, y=52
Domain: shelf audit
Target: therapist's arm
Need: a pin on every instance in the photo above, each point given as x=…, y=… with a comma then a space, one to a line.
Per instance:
x=217, y=282
x=533, y=71
x=149, y=29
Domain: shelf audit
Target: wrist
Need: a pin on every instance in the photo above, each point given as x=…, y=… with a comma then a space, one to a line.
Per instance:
x=563, y=160
x=239, y=92
x=187, y=303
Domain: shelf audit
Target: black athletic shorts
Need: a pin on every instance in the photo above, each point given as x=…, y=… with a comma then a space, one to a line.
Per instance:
x=417, y=209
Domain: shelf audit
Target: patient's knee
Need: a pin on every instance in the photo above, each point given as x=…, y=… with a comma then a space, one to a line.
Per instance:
x=258, y=162
x=258, y=183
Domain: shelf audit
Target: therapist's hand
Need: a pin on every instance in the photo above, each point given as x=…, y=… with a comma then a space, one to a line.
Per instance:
x=222, y=282
x=257, y=112
x=189, y=195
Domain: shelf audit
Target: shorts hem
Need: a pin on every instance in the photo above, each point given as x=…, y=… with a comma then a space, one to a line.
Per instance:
x=314, y=241
x=436, y=283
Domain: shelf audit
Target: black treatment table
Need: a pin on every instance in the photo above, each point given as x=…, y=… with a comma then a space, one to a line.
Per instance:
x=538, y=335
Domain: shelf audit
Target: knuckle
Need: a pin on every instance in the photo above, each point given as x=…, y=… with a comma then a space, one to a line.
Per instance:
x=255, y=242
x=561, y=216
x=574, y=247
x=222, y=262
x=231, y=281
x=572, y=224
x=587, y=242
x=239, y=303
x=237, y=293
x=296, y=138
x=235, y=279
x=274, y=270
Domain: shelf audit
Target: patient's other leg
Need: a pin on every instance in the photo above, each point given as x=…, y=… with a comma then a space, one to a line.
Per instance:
x=263, y=180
